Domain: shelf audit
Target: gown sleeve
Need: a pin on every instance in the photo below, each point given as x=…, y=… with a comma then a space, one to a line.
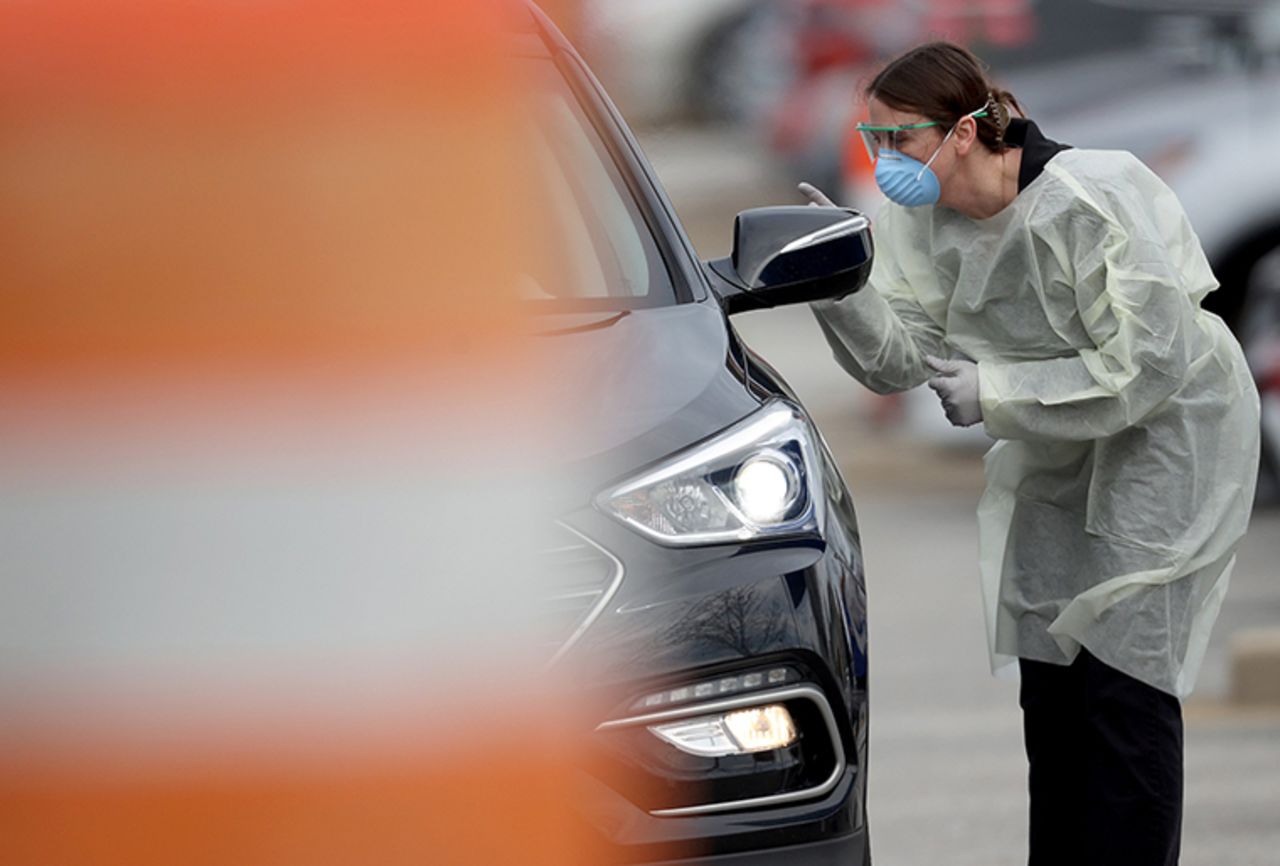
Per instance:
x=1134, y=301
x=881, y=334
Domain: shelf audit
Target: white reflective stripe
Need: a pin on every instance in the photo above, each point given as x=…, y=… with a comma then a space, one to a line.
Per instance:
x=853, y=224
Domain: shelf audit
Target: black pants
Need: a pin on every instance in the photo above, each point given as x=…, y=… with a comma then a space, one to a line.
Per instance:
x=1105, y=755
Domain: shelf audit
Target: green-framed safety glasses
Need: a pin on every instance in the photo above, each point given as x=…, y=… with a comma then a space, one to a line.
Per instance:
x=878, y=138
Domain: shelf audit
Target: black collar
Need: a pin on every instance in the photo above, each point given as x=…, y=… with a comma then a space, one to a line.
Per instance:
x=1036, y=149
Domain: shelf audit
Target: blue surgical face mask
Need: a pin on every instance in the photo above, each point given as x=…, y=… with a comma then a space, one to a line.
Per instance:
x=905, y=180
x=908, y=181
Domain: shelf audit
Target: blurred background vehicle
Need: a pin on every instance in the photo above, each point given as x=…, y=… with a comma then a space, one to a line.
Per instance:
x=1265, y=360
x=667, y=60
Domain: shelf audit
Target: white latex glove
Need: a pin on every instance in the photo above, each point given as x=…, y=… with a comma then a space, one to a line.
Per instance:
x=817, y=198
x=957, y=386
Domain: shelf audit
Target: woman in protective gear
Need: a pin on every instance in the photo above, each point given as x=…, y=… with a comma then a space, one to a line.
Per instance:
x=1053, y=294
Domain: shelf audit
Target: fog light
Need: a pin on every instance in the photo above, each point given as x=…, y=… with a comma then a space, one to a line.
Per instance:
x=758, y=729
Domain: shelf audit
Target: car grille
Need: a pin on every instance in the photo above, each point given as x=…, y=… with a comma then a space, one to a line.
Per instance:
x=578, y=578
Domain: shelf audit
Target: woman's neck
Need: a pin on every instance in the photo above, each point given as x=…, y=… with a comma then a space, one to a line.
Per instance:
x=988, y=183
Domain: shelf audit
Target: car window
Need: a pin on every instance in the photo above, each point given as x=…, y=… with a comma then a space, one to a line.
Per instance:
x=594, y=246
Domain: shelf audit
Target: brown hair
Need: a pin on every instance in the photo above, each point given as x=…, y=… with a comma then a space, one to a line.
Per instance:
x=944, y=82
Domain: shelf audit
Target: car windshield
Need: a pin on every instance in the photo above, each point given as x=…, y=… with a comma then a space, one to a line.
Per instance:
x=595, y=249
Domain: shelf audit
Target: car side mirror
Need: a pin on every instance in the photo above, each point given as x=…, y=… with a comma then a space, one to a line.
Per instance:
x=791, y=255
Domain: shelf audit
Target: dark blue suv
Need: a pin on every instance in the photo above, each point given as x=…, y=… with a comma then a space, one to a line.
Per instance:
x=708, y=584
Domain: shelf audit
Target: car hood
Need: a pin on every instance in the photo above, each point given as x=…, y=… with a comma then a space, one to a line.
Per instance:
x=641, y=384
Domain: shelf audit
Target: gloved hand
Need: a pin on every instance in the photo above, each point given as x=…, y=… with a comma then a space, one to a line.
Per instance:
x=957, y=385
x=817, y=198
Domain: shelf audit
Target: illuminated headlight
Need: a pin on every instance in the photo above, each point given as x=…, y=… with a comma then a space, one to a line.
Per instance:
x=753, y=480
x=766, y=486
x=741, y=732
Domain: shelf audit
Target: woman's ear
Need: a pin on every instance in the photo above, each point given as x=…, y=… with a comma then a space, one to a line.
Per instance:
x=966, y=135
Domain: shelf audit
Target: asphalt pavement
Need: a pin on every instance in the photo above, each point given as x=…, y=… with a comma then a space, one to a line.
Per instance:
x=947, y=772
